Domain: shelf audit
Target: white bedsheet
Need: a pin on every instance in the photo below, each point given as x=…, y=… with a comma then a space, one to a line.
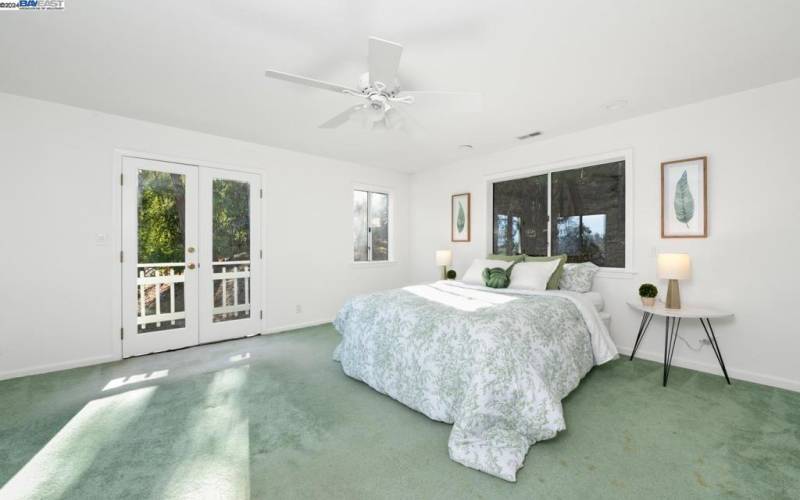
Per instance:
x=602, y=345
x=594, y=297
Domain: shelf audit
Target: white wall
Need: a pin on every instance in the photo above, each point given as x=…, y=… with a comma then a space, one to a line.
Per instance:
x=56, y=179
x=748, y=262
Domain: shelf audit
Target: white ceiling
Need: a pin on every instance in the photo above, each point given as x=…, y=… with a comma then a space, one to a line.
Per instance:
x=541, y=65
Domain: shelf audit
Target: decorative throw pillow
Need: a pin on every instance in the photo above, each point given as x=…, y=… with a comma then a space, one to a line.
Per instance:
x=552, y=283
x=578, y=277
x=497, y=277
x=474, y=275
x=533, y=275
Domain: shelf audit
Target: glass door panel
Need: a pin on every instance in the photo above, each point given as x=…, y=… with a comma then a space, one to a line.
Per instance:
x=161, y=214
x=230, y=256
x=231, y=249
x=159, y=240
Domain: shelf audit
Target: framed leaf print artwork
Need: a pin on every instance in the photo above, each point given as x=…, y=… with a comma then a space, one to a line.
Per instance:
x=683, y=198
x=460, y=217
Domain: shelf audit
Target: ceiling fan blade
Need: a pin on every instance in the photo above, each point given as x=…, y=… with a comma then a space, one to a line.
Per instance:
x=383, y=60
x=302, y=80
x=460, y=102
x=342, y=117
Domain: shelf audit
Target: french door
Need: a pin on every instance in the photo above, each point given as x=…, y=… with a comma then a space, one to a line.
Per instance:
x=191, y=261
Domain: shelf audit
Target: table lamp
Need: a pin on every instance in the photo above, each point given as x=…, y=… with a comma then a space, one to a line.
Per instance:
x=674, y=267
x=444, y=258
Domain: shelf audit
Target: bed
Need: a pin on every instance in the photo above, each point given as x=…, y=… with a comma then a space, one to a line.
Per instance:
x=494, y=363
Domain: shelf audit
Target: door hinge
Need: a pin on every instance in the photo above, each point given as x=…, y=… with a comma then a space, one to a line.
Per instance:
x=261, y=315
x=121, y=179
x=261, y=254
x=122, y=333
x=260, y=193
x=121, y=256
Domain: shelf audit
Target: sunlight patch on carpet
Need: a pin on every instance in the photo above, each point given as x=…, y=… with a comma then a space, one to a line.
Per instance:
x=71, y=452
x=216, y=446
x=135, y=379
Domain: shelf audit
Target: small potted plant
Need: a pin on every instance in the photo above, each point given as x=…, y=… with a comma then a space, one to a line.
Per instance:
x=648, y=292
x=451, y=274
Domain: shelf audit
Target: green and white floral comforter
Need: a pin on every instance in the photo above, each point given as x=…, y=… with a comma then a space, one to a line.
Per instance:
x=494, y=363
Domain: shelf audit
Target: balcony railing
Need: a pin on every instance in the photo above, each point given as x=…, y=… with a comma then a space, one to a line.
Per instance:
x=155, y=280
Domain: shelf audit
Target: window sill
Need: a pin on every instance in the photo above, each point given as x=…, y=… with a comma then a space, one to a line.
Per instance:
x=373, y=263
x=616, y=273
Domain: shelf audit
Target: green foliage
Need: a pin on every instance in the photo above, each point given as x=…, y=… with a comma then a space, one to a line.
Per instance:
x=684, y=203
x=231, y=220
x=161, y=211
x=461, y=220
x=451, y=274
x=648, y=290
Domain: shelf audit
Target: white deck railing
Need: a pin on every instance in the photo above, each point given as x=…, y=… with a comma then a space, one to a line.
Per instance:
x=164, y=275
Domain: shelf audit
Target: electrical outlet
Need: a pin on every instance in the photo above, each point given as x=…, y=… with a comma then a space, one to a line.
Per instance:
x=298, y=309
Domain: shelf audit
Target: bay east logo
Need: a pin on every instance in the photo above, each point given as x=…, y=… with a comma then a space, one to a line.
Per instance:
x=32, y=5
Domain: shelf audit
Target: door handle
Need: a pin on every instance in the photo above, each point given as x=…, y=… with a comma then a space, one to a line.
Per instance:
x=191, y=265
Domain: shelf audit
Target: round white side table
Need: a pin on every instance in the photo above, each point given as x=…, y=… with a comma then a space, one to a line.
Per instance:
x=672, y=318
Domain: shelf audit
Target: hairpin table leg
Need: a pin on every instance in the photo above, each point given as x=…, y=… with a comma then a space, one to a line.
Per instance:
x=670, y=337
x=713, y=340
x=646, y=317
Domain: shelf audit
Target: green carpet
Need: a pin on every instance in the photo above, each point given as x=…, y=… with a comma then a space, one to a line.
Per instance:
x=274, y=417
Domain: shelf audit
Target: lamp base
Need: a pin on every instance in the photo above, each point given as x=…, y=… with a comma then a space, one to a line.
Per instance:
x=444, y=272
x=673, y=295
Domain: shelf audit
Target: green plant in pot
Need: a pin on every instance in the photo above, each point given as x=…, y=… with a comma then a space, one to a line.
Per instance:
x=648, y=292
x=451, y=274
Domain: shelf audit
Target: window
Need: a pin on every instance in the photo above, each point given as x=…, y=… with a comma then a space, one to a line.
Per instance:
x=579, y=212
x=370, y=226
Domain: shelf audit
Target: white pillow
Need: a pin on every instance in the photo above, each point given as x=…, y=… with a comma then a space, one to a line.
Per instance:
x=474, y=275
x=532, y=275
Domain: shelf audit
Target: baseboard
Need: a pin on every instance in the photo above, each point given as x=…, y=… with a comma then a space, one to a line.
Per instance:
x=295, y=326
x=714, y=369
x=66, y=365
x=54, y=367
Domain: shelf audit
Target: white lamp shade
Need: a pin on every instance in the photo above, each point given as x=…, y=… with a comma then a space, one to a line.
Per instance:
x=674, y=266
x=444, y=257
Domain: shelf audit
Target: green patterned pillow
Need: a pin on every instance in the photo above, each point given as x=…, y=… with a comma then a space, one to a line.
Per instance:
x=552, y=283
x=578, y=277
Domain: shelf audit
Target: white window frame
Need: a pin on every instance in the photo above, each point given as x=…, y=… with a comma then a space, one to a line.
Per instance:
x=370, y=188
x=625, y=155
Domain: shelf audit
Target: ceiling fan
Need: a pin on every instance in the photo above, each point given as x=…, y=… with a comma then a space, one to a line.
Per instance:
x=381, y=91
